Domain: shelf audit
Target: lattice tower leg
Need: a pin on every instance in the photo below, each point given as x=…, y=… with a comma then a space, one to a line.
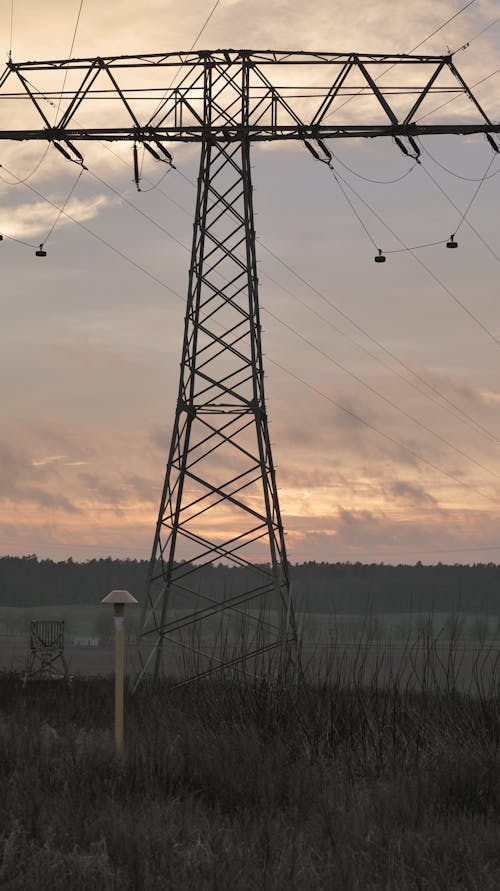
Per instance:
x=220, y=502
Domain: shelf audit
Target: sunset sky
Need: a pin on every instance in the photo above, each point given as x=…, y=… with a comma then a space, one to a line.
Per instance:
x=383, y=382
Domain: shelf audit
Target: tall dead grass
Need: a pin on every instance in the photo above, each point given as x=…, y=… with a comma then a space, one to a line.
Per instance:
x=347, y=775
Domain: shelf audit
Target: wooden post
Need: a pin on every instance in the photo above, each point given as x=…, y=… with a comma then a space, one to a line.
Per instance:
x=119, y=675
x=119, y=598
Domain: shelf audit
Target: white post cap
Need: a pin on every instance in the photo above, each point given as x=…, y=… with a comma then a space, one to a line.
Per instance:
x=119, y=596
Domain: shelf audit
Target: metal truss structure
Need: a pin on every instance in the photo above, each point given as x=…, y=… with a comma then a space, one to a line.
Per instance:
x=220, y=500
x=46, y=659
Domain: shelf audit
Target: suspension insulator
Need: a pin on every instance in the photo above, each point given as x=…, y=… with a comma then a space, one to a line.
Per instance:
x=136, y=168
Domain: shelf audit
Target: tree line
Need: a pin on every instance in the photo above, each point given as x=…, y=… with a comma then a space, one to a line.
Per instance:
x=318, y=587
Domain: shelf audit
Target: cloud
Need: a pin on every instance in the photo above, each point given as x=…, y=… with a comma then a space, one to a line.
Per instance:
x=50, y=459
x=412, y=493
x=34, y=220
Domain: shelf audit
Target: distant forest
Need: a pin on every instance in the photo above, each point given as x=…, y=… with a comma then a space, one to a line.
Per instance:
x=317, y=587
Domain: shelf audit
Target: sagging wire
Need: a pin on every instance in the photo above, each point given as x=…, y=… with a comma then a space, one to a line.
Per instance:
x=479, y=33
x=134, y=207
x=159, y=182
x=378, y=182
x=22, y=180
x=62, y=210
x=482, y=80
x=11, y=28
x=159, y=153
x=4, y=236
x=465, y=219
x=475, y=423
x=434, y=390
x=468, y=179
x=380, y=256
x=455, y=477
x=407, y=53
x=40, y=248
x=474, y=196
x=191, y=48
x=41, y=252
x=69, y=54
x=406, y=248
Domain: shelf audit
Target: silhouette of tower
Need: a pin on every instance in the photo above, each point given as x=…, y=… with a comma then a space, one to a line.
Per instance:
x=220, y=500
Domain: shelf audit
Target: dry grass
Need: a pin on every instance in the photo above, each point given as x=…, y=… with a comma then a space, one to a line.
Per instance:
x=333, y=782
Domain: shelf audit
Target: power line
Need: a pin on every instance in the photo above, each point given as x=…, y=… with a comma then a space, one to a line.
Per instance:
x=306, y=340
x=374, y=340
x=464, y=415
x=436, y=30
x=314, y=346
x=456, y=412
x=415, y=256
x=75, y=29
x=482, y=80
x=381, y=433
x=479, y=33
x=378, y=182
x=69, y=54
x=292, y=374
x=205, y=23
x=474, y=196
x=467, y=221
x=280, y=321
x=103, y=241
x=46, y=150
x=191, y=48
x=407, y=52
x=426, y=384
x=61, y=210
x=380, y=395
x=347, y=371
x=468, y=179
x=11, y=27
x=139, y=210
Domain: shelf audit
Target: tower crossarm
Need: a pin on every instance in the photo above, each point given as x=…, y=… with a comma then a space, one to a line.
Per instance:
x=228, y=95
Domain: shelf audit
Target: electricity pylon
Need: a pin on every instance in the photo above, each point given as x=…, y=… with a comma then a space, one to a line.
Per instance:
x=220, y=501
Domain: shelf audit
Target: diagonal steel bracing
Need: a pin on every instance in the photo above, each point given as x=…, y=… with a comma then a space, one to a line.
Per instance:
x=220, y=501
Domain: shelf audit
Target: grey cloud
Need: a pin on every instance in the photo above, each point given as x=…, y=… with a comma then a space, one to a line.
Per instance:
x=18, y=481
x=99, y=484
x=49, y=500
x=412, y=493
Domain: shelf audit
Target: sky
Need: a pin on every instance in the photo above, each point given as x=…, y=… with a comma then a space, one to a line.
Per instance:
x=382, y=380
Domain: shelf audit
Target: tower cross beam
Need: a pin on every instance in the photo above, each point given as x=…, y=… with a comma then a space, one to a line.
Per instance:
x=231, y=95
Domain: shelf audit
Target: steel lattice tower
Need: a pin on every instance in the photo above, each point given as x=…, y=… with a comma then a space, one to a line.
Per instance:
x=220, y=468
x=220, y=502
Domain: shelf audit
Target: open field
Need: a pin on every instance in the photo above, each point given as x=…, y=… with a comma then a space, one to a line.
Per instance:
x=97, y=620
x=462, y=649
x=234, y=785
